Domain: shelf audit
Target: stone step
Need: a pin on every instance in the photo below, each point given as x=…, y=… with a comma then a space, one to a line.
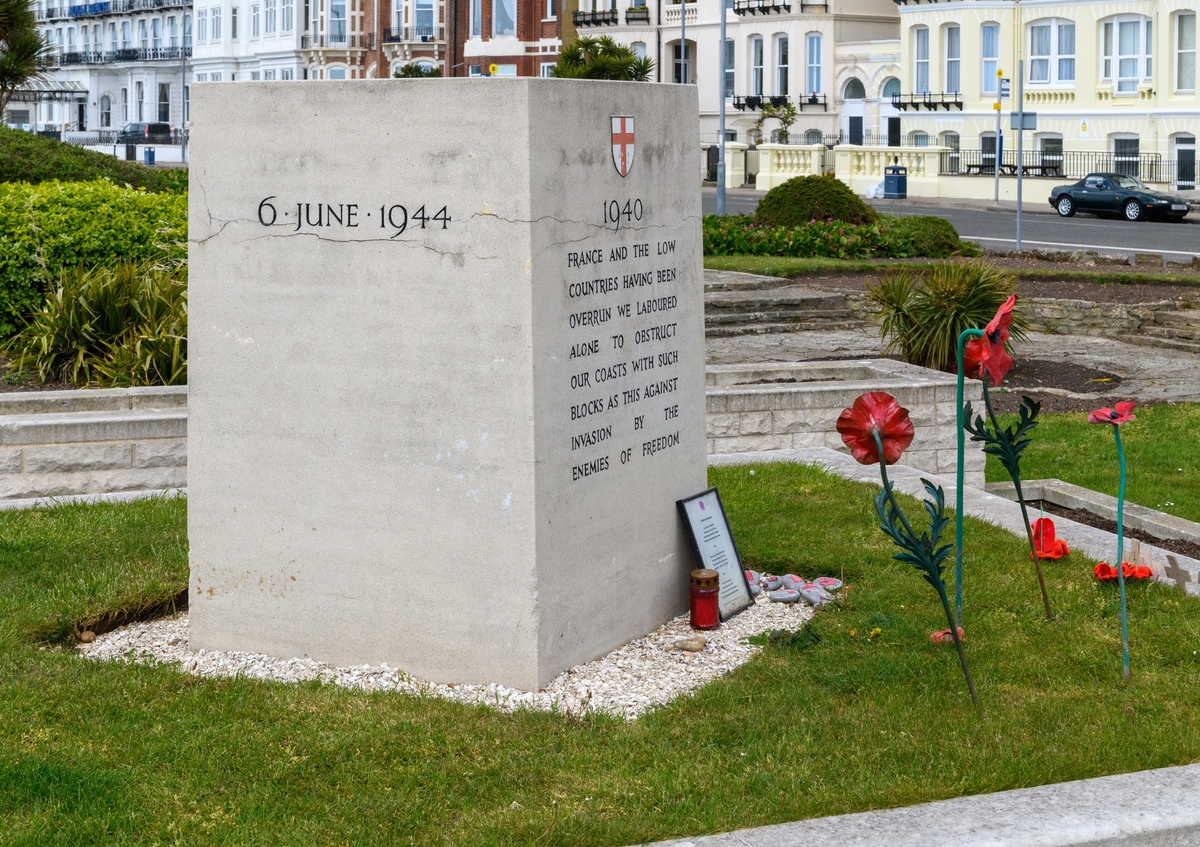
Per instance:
x=1187, y=318
x=1176, y=333
x=791, y=296
x=1168, y=343
x=764, y=328
x=777, y=316
x=83, y=427
x=92, y=400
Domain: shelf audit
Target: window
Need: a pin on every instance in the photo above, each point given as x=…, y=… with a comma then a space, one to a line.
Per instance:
x=254, y=21
x=126, y=40
x=172, y=32
x=781, y=64
x=214, y=77
x=269, y=17
x=729, y=74
x=1127, y=46
x=756, y=66
x=854, y=89
x=921, y=59
x=255, y=76
x=952, y=142
x=155, y=33
x=920, y=139
x=1125, y=155
x=140, y=95
x=164, y=102
x=143, y=35
x=551, y=14
x=990, y=50
x=233, y=23
x=987, y=152
x=953, y=59
x=71, y=37
x=105, y=111
x=545, y=69
x=124, y=105
x=504, y=17
x=286, y=73
x=813, y=76
x=337, y=20
x=201, y=25
x=891, y=87
x=1052, y=52
x=201, y=77
x=682, y=60
x=287, y=15
x=813, y=136
x=424, y=18
x=1050, y=151
x=112, y=36
x=269, y=76
x=476, y=18
x=1185, y=52
x=638, y=48
x=335, y=73
x=215, y=24
x=187, y=31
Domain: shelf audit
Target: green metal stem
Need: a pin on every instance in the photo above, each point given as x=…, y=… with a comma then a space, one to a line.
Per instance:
x=958, y=484
x=1015, y=473
x=1121, y=551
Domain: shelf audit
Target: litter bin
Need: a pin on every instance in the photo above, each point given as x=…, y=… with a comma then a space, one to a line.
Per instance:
x=895, y=182
x=148, y=156
x=130, y=152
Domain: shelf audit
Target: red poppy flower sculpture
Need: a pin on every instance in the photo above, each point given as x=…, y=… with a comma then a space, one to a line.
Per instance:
x=1122, y=413
x=877, y=429
x=987, y=355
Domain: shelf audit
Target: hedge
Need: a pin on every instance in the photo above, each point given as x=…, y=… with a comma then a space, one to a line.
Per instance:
x=889, y=238
x=813, y=198
x=25, y=157
x=55, y=227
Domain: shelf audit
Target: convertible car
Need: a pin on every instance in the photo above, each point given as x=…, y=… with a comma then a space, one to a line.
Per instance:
x=1116, y=194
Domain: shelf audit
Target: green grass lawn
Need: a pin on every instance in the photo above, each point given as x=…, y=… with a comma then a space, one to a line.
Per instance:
x=107, y=753
x=1162, y=452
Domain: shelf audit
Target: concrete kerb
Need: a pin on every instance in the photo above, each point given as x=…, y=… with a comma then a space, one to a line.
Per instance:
x=110, y=497
x=1156, y=808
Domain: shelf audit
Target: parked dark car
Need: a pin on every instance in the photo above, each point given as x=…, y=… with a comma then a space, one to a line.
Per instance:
x=144, y=133
x=1117, y=194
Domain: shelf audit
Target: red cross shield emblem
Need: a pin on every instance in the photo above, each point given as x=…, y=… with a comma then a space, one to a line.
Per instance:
x=622, y=144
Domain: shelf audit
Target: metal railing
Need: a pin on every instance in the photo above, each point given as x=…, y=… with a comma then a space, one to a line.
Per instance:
x=357, y=41
x=110, y=7
x=1068, y=164
x=606, y=17
x=421, y=34
x=765, y=7
x=128, y=54
x=930, y=100
x=637, y=15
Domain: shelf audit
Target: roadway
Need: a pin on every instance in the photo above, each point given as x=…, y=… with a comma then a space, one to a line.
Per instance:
x=996, y=229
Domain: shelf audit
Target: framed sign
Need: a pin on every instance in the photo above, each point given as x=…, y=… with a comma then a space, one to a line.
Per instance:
x=712, y=542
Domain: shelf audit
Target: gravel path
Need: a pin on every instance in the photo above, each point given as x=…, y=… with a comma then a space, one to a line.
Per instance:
x=645, y=673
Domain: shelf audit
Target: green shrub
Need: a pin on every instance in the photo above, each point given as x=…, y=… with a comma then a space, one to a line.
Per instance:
x=931, y=236
x=109, y=326
x=25, y=157
x=55, y=227
x=923, y=311
x=733, y=235
x=813, y=198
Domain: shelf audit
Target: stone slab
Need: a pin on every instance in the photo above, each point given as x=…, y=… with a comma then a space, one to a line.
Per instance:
x=1155, y=808
x=93, y=400
x=106, y=497
x=379, y=414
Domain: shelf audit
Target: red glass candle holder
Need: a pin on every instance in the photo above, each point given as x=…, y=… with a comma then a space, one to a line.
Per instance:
x=704, y=589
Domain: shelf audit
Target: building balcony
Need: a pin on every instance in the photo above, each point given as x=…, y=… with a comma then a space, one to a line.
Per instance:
x=814, y=102
x=608, y=17
x=751, y=102
x=357, y=41
x=761, y=7
x=113, y=7
x=421, y=34
x=670, y=14
x=927, y=100
x=129, y=54
x=637, y=15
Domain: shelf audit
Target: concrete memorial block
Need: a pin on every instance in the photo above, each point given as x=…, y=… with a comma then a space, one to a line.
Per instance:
x=447, y=370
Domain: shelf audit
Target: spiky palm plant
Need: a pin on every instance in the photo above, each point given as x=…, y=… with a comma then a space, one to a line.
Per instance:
x=22, y=51
x=602, y=58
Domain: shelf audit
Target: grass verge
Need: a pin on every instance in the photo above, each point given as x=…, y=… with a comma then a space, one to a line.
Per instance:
x=1162, y=451
x=872, y=716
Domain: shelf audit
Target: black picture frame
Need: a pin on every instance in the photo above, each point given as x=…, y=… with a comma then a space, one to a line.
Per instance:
x=706, y=535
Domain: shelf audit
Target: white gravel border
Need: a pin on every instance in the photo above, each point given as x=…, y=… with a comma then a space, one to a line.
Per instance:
x=644, y=673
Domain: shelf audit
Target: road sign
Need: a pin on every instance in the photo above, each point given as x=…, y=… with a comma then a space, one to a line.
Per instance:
x=1005, y=89
x=1023, y=120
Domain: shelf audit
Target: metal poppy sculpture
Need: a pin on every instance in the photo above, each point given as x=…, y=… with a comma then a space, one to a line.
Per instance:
x=1121, y=414
x=986, y=358
x=878, y=429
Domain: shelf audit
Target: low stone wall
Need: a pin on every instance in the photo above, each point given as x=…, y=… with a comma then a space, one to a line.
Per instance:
x=67, y=444
x=1067, y=317
x=752, y=408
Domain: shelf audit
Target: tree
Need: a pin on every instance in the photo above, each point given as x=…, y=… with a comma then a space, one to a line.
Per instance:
x=601, y=58
x=416, y=72
x=21, y=48
x=785, y=114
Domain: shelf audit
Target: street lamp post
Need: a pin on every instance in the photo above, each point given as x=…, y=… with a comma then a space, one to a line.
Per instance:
x=721, y=117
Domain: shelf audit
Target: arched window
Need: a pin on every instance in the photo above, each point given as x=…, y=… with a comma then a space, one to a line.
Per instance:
x=813, y=136
x=854, y=90
x=1051, y=52
x=891, y=86
x=1127, y=49
x=919, y=139
x=335, y=73
x=105, y=111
